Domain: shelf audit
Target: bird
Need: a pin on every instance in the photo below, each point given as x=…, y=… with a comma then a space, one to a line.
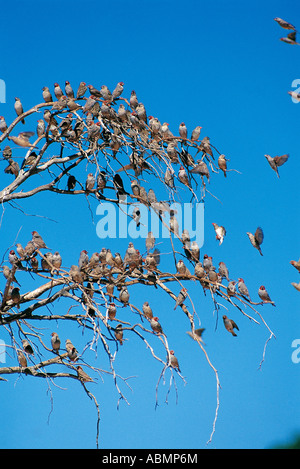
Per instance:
x=220, y=232
x=15, y=296
x=71, y=182
x=19, y=108
x=55, y=342
x=277, y=161
x=101, y=181
x=147, y=310
x=197, y=334
x=296, y=285
x=75, y=274
x=183, y=131
x=201, y=168
x=57, y=91
x=3, y=125
x=38, y=240
x=20, y=250
x=136, y=215
x=71, y=350
x=155, y=325
x=27, y=347
x=195, y=251
x=264, y=295
x=243, y=289
x=7, y=274
x=82, y=88
x=90, y=182
x=296, y=264
x=12, y=168
x=124, y=296
x=119, y=334
x=22, y=359
x=196, y=133
x=222, y=163
x=181, y=297
x=22, y=139
x=183, y=177
x=68, y=90
x=150, y=241
x=290, y=39
x=231, y=289
x=199, y=272
x=47, y=95
x=207, y=262
x=83, y=259
x=230, y=325
x=111, y=311
x=182, y=269
x=173, y=361
x=257, y=239
x=83, y=376
x=118, y=90
x=223, y=270
x=284, y=24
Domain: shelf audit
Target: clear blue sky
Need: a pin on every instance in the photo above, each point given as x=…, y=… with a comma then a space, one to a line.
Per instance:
x=215, y=64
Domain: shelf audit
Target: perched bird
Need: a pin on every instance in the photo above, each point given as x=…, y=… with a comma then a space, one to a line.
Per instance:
x=101, y=181
x=207, y=262
x=136, y=215
x=257, y=239
x=19, y=108
x=201, y=168
x=173, y=223
x=47, y=95
x=71, y=182
x=12, y=168
x=296, y=264
x=41, y=128
x=7, y=274
x=71, y=350
x=277, y=161
x=13, y=258
x=60, y=104
x=199, y=271
x=223, y=270
x=20, y=250
x=55, y=342
x=220, y=233
x=182, y=269
x=106, y=93
x=181, y=297
x=230, y=325
x=22, y=359
x=196, y=133
x=83, y=376
x=231, y=288
x=243, y=289
x=173, y=361
x=57, y=91
x=155, y=325
x=38, y=240
x=197, y=335
x=147, y=310
x=264, y=296
x=82, y=88
x=90, y=182
x=27, y=347
x=118, y=90
x=290, y=39
x=150, y=241
x=183, y=131
x=183, y=177
x=119, y=334
x=284, y=24
x=111, y=311
x=75, y=274
x=124, y=296
x=83, y=259
x=29, y=160
x=195, y=251
x=3, y=125
x=56, y=260
x=222, y=163
x=68, y=90
x=15, y=296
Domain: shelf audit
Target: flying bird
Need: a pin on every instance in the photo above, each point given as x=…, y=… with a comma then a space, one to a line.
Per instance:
x=284, y=24
x=290, y=39
x=257, y=239
x=220, y=233
x=230, y=325
x=277, y=161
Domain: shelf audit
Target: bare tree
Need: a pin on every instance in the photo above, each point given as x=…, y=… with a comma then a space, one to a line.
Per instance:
x=130, y=153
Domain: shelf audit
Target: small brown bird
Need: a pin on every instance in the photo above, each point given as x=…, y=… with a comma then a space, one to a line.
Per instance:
x=22, y=359
x=243, y=289
x=277, y=161
x=230, y=325
x=12, y=168
x=197, y=335
x=47, y=95
x=111, y=311
x=223, y=270
x=68, y=90
x=75, y=274
x=155, y=325
x=83, y=376
x=296, y=285
x=19, y=108
x=57, y=91
x=7, y=274
x=22, y=139
x=38, y=240
x=181, y=297
x=290, y=39
x=173, y=361
x=55, y=342
x=147, y=310
x=256, y=239
x=90, y=182
x=231, y=289
x=71, y=350
x=284, y=24
x=196, y=133
x=27, y=347
x=15, y=296
x=82, y=88
x=119, y=334
x=296, y=264
x=222, y=163
x=264, y=296
x=201, y=168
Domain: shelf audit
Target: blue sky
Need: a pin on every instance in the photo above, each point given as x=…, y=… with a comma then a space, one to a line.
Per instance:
x=219, y=65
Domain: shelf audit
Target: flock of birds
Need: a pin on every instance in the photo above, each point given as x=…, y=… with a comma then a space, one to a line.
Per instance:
x=115, y=128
